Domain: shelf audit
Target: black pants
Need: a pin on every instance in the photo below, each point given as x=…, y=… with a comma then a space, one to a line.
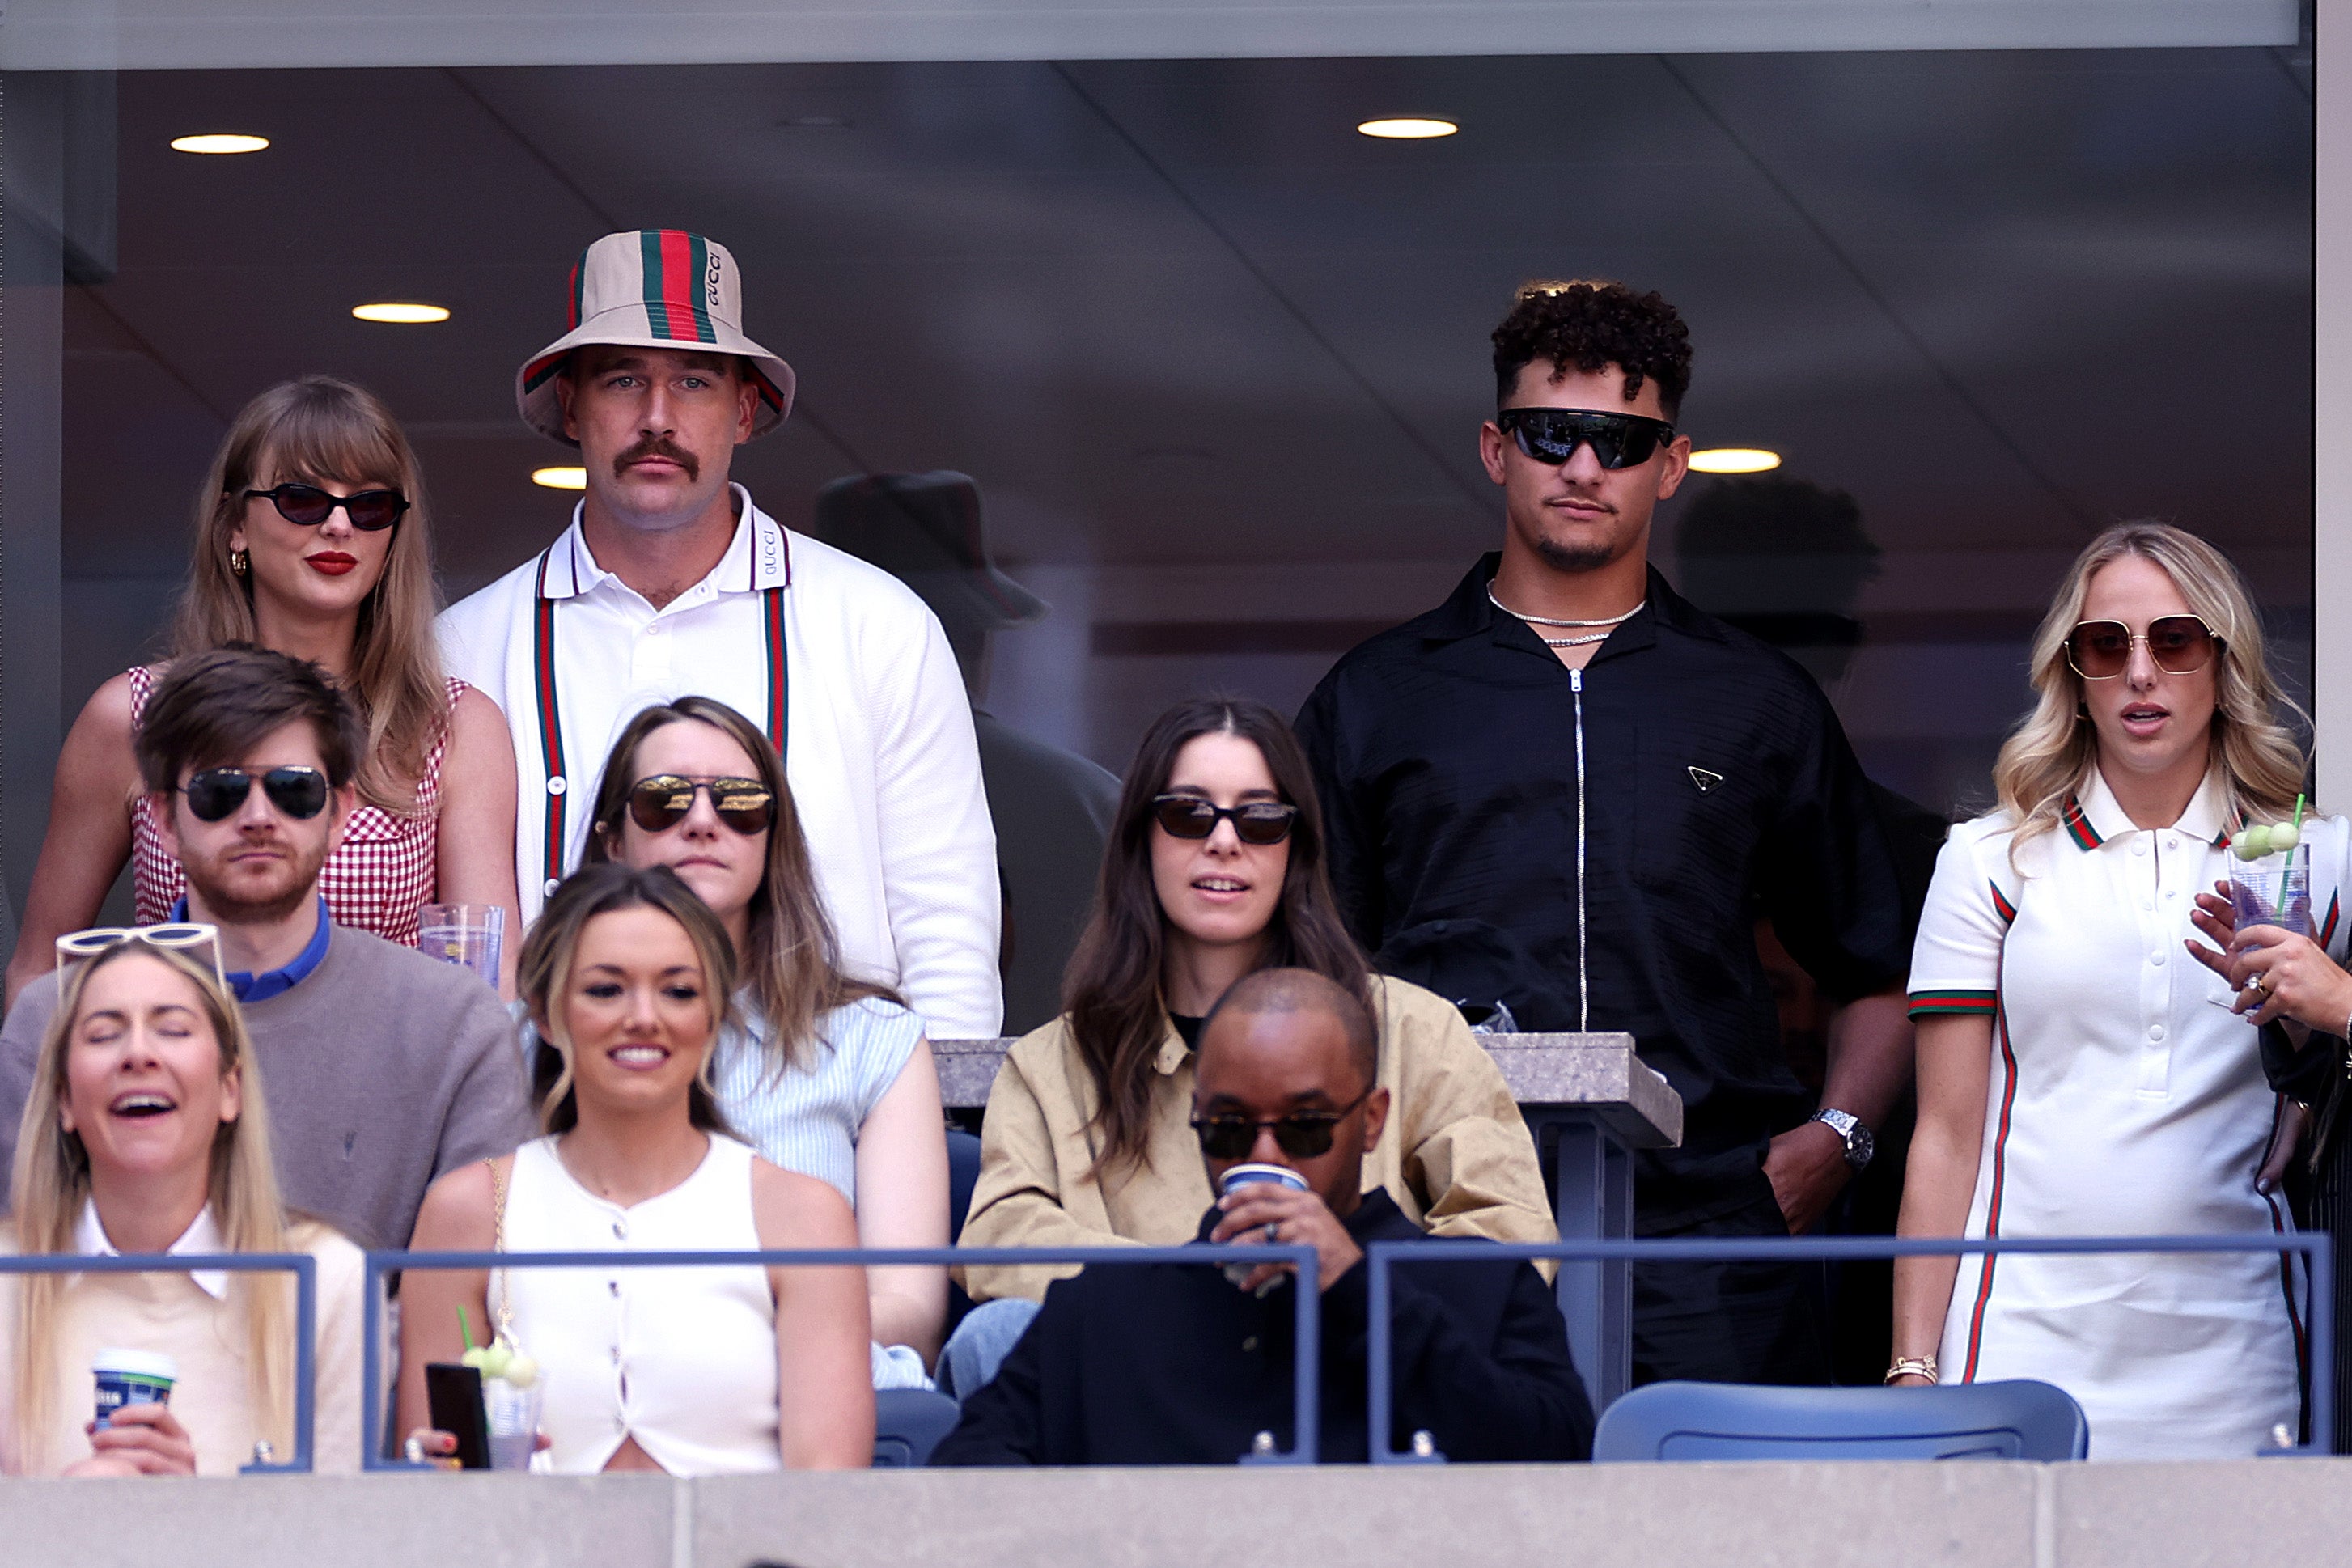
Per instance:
x=1731, y=1322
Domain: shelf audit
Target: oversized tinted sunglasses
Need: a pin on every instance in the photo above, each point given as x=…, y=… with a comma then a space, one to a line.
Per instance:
x=1255, y=821
x=1552, y=434
x=308, y=505
x=660, y=803
x=2176, y=644
x=214, y=792
x=1303, y=1136
x=186, y=936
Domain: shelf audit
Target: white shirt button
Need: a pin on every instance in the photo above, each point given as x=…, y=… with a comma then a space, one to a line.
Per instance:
x=2139, y=845
x=556, y=784
x=2156, y=959
x=548, y=887
x=2147, y=903
x=2155, y=1031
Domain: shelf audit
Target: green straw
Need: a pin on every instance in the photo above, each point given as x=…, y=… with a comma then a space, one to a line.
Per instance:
x=2284, y=874
x=465, y=1329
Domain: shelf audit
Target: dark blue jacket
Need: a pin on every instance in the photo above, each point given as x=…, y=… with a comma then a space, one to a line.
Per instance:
x=1170, y=1364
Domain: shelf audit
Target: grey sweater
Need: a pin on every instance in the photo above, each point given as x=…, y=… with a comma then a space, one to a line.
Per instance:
x=382, y=1070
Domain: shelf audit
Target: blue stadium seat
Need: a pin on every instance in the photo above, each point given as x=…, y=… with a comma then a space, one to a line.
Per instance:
x=2014, y=1420
x=908, y=1424
x=963, y=1174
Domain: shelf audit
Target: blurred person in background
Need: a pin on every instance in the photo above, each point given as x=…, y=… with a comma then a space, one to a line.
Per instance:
x=312, y=538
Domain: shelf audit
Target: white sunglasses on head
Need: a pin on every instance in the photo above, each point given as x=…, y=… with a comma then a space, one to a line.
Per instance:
x=185, y=936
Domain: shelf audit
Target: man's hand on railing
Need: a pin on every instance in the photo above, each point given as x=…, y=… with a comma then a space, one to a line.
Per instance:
x=141, y=1440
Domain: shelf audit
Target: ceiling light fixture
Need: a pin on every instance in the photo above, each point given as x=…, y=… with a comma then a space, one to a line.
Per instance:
x=401, y=314
x=1407, y=127
x=560, y=478
x=219, y=143
x=1734, y=460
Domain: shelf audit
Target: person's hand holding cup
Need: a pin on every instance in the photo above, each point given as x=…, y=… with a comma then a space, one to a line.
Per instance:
x=1265, y=1204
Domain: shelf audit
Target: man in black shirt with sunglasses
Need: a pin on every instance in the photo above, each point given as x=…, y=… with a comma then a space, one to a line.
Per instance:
x=1569, y=791
x=1179, y=1364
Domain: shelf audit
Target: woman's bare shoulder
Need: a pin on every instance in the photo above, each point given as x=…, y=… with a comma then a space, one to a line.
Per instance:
x=793, y=1210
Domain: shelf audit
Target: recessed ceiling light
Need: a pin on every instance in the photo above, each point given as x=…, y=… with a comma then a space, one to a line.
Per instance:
x=560, y=478
x=221, y=143
x=404, y=314
x=1408, y=127
x=1734, y=460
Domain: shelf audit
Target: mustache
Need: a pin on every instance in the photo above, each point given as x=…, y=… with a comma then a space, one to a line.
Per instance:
x=658, y=447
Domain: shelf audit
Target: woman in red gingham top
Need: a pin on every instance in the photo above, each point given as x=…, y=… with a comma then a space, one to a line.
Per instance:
x=309, y=541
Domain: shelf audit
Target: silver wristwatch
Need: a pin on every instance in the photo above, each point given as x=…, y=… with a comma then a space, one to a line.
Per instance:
x=1859, y=1144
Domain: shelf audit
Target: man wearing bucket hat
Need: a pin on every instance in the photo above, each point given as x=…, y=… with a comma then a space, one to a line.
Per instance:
x=670, y=582
x=1052, y=808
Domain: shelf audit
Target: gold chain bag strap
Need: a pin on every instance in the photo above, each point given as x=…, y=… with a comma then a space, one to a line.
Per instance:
x=505, y=1315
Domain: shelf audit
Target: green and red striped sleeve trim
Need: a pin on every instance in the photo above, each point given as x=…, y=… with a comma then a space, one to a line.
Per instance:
x=1945, y=1000
x=2078, y=826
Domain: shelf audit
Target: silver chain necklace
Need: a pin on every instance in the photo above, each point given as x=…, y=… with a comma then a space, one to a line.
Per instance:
x=1610, y=621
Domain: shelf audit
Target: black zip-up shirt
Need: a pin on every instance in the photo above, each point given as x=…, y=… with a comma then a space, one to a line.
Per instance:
x=1716, y=786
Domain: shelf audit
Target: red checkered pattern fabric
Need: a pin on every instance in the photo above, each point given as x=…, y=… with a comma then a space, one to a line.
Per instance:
x=376, y=880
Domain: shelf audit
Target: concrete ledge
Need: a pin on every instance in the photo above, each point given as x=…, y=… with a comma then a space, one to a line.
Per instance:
x=1984, y=1514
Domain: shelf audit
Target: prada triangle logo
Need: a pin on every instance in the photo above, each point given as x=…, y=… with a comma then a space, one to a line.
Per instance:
x=1703, y=779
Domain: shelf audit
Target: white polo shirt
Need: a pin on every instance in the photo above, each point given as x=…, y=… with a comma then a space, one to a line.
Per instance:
x=879, y=748
x=2123, y=1098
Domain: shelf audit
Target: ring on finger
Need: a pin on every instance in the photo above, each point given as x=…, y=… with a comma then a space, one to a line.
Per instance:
x=1274, y=1230
x=2260, y=985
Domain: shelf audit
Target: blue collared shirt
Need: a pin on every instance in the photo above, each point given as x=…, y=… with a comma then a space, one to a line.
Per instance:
x=261, y=988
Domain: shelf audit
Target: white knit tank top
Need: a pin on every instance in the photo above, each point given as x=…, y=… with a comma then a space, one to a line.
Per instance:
x=683, y=1360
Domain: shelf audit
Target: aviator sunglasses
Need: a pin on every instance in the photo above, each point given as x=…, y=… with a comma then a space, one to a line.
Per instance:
x=1552, y=436
x=1255, y=821
x=308, y=505
x=1303, y=1135
x=660, y=802
x=2178, y=645
x=214, y=792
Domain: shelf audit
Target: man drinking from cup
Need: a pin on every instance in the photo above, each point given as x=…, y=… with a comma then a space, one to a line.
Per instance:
x=1171, y=1363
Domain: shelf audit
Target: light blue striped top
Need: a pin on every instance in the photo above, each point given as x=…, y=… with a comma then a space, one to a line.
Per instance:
x=807, y=1118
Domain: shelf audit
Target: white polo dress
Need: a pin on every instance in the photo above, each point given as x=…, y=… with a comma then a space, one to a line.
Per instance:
x=2125, y=1099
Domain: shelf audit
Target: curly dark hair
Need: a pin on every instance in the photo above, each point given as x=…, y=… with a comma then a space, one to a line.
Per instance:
x=1588, y=324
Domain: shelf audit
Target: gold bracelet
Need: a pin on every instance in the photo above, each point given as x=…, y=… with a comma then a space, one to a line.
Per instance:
x=1911, y=1366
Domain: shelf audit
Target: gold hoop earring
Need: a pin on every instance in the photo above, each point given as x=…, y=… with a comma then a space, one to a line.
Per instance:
x=238, y=562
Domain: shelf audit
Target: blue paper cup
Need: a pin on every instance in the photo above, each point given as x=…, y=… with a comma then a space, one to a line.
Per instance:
x=132, y=1377
x=1242, y=1175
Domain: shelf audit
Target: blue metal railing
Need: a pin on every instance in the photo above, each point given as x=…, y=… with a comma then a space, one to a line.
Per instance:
x=1306, y=1395
x=301, y=1265
x=1381, y=1255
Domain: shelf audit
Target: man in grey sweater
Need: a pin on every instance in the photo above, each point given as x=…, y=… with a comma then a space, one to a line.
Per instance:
x=382, y=1068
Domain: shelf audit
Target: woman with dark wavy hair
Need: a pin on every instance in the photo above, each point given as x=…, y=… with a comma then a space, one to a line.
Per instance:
x=1215, y=870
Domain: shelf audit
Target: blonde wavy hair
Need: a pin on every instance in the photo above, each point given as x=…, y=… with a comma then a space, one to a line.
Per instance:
x=2049, y=754
x=51, y=1182
x=321, y=430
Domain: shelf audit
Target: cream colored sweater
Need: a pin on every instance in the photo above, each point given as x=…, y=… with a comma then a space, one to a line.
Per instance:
x=172, y=1314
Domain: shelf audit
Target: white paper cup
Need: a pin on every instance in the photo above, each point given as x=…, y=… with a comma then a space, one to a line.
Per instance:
x=132, y=1377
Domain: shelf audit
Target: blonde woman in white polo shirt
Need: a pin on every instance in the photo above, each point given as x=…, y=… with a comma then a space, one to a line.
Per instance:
x=671, y=582
x=2078, y=1074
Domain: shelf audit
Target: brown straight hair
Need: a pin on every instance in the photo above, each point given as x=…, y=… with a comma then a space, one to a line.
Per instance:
x=1112, y=998
x=319, y=430
x=544, y=974
x=214, y=707
x=793, y=967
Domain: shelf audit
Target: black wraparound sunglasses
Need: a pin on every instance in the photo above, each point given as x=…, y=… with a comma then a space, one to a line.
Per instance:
x=1303, y=1136
x=214, y=792
x=1552, y=436
x=1254, y=821
x=308, y=505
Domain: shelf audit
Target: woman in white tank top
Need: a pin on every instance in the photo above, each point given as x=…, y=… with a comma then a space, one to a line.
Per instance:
x=694, y=1371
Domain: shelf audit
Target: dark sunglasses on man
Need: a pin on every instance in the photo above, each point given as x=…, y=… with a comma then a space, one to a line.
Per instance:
x=660, y=802
x=2176, y=644
x=1254, y=821
x=1552, y=436
x=215, y=792
x=308, y=505
x=1302, y=1135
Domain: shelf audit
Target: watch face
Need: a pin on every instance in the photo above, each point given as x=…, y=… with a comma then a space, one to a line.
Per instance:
x=1860, y=1146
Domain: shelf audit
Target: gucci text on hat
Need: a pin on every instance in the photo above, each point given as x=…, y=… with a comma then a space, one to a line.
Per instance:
x=653, y=289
